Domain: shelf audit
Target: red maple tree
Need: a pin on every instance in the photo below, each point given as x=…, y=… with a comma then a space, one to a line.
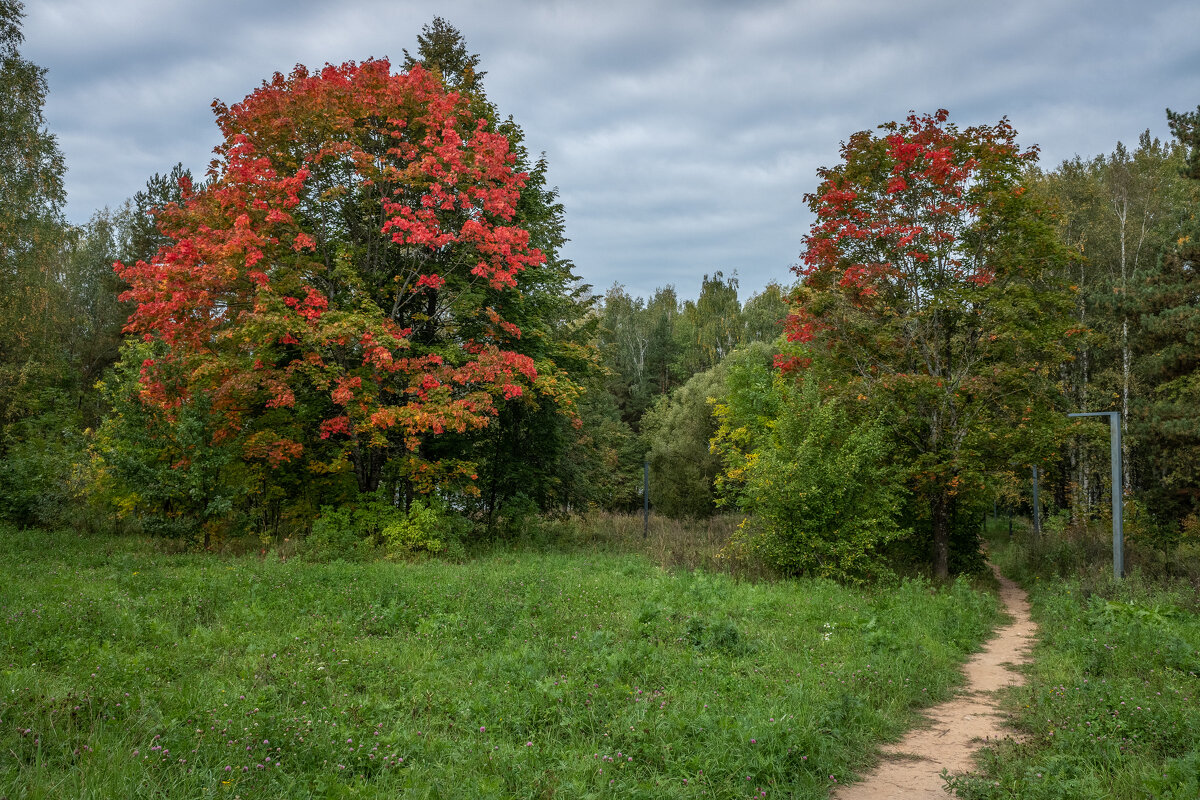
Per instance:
x=339, y=263
x=934, y=290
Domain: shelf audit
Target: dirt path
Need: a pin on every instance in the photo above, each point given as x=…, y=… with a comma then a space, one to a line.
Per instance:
x=911, y=768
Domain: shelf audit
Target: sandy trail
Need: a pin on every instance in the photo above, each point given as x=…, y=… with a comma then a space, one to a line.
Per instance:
x=911, y=768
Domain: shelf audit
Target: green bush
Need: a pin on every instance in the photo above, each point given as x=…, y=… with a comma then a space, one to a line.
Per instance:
x=378, y=527
x=427, y=529
x=338, y=536
x=516, y=518
x=160, y=469
x=822, y=499
x=39, y=470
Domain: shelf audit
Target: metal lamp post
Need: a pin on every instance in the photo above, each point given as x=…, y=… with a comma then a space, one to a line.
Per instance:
x=1114, y=441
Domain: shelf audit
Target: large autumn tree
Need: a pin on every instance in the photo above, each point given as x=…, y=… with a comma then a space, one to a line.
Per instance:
x=326, y=293
x=933, y=290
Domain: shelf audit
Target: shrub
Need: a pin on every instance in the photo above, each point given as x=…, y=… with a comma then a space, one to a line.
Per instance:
x=377, y=526
x=822, y=498
x=338, y=536
x=162, y=470
x=517, y=517
x=38, y=470
x=427, y=529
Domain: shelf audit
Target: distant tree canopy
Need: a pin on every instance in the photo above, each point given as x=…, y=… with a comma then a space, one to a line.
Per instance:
x=653, y=346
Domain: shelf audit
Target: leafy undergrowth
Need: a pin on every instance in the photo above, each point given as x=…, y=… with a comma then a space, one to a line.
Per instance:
x=1112, y=708
x=127, y=672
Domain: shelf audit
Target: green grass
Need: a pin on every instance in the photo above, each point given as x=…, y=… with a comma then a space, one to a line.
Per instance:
x=1112, y=707
x=127, y=672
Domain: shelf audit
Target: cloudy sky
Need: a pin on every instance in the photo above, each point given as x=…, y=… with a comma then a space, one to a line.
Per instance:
x=682, y=135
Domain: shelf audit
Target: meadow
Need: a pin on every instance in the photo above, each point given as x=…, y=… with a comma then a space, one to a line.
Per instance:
x=128, y=671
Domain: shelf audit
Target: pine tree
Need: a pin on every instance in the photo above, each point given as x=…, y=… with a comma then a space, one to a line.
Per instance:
x=525, y=449
x=1167, y=418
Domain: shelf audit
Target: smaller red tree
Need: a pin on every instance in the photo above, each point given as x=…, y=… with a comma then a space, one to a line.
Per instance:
x=934, y=290
x=337, y=266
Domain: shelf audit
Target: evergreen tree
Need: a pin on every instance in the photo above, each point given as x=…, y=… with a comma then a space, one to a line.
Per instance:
x=141, y=237
x=524, y=450
x=1120, y=212
x=1167, y=417
x=441, y=47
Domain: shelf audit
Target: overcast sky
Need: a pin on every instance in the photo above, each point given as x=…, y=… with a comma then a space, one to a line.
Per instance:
x=682, y=135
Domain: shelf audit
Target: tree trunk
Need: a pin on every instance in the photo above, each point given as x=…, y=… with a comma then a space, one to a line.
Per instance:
x=1123, y=218
x=1079, y=455
x=1126, y=461
x=368, y=467
x=939, y=515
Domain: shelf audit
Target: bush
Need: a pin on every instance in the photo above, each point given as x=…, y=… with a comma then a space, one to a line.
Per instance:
x=338, y=536
x=427, y=529
x=517, y=517
x=160, y=469
x=378, y=527
x=816, y=481
x=39, y=470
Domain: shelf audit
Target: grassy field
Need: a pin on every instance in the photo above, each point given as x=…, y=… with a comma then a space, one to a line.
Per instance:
x=127, y=672
x=1112, y=708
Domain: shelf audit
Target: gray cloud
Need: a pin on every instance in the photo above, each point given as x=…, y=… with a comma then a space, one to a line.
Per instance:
x=683, y=135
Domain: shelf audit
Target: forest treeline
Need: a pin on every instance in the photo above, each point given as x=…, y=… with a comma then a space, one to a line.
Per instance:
x=267, y=360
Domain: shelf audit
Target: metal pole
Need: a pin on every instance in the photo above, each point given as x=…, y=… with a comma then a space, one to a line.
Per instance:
x=645, y=499
x=1114, y=443
x=1037, y=507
